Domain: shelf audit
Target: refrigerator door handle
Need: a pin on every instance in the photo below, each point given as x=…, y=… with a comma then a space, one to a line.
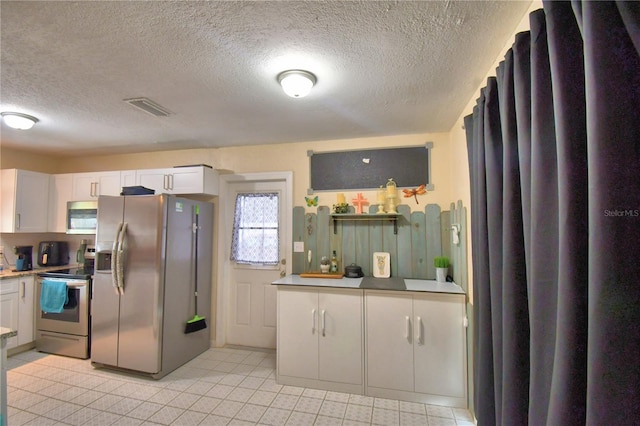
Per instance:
x=114, y=258
x=120, y=259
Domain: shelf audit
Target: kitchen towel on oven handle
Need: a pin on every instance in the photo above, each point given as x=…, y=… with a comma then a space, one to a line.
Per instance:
x=53, y=296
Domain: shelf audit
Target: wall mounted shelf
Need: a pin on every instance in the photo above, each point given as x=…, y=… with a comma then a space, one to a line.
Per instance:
x=393, y=217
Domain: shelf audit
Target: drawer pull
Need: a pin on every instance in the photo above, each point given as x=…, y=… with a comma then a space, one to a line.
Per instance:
x=407, y=330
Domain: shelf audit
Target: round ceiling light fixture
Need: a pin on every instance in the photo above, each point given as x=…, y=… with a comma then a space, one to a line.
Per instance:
x=17, y=120
x=296, y=83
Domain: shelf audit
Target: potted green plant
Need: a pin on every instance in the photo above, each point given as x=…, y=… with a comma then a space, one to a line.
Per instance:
x=442, y=268
x=341, y=208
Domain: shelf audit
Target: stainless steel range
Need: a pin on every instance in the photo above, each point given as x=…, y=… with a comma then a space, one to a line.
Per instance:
x=66, y=332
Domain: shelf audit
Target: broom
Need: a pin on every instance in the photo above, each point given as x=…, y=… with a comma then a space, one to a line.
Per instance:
x=197, y=322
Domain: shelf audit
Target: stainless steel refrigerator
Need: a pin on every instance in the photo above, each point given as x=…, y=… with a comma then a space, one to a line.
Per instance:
x=145, y=279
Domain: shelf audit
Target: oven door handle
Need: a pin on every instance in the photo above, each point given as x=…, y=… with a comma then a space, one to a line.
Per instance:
x=114, y=258
x=120, y=259
x=79, y=285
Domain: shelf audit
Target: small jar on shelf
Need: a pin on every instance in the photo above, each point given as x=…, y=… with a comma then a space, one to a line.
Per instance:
x=325, y=264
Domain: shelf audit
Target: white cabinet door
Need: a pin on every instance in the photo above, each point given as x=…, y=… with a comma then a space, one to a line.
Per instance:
x=156, y=179
x=180, y=180
x=298, y=333
x=87, y=186
x=187, y=180
x=25, y=201
x=60, y=192
x=389, y=341
x=26, y=313
x=32, y=204
x=9, y=308
x=340, y=324
x=439, y=348
x=128, y=178
x=109, y=183
x=84, y=186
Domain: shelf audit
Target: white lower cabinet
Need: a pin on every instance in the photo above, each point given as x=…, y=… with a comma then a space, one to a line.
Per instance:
x=26, y=309
x=416, y=347
x=320, y=338
x=9, y=308
x=17, y=302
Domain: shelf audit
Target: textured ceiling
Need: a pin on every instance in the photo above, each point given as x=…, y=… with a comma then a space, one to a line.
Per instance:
x=383, y=68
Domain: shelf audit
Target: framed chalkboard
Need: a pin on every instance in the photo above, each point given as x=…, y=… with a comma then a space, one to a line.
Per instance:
x=370, y=168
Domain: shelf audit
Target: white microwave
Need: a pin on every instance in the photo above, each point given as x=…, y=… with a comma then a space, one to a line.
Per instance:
x=82, y=217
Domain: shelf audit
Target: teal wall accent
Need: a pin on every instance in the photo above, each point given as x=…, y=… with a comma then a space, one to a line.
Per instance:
x=421, y=236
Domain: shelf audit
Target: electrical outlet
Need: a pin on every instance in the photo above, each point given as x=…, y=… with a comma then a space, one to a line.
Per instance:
x=298, y=246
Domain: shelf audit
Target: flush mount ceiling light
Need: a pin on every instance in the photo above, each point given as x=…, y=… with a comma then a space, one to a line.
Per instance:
x=296, y=83
x=18, y=120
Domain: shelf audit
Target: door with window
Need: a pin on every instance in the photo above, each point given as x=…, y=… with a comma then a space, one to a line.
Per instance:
x=256, y=215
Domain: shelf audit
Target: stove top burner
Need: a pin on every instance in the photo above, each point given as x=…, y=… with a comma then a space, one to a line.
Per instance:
x=71, y=273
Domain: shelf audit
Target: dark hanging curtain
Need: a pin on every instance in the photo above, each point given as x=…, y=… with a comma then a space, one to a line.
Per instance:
x=554, y=157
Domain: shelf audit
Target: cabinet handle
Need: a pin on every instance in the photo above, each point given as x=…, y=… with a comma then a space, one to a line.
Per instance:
x=322, y=316
x=418, y=326
x=171, y=182
x=407, y=330
x=165, y=182
x=94, y=189
x=23, y=289
x=97, y=189
x=91, y=190
x=18, y=221
x=313, y=321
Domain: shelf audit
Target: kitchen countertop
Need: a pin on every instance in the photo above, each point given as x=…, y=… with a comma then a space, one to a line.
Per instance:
x=8, y=273
x=354, y=283
x=6, y=333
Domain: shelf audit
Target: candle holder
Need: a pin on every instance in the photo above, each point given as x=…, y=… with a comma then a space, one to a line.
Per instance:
x=391, y=197
x=381, y=200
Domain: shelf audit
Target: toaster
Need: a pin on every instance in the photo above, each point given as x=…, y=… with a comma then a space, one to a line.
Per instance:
x=53, y=253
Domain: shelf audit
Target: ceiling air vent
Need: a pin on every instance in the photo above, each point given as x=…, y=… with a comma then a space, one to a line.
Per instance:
x=149, y=107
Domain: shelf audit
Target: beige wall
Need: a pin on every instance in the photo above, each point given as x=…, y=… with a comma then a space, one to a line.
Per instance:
x=262, y=158
x=15, y=159
x=461, y=186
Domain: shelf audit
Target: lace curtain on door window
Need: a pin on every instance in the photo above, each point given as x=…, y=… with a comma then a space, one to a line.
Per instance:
x=255, y=229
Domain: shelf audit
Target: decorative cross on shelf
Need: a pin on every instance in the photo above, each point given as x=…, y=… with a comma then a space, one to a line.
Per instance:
x=359, y=202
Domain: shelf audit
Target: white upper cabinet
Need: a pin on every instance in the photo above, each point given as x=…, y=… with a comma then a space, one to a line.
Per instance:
x=180, y=180
x=87, y=186
x=128, y=177
x=155, y=179
x=60, y=192
x=25, y=199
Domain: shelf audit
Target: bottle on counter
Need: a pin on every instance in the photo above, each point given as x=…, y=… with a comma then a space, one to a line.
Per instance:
x=334, y=262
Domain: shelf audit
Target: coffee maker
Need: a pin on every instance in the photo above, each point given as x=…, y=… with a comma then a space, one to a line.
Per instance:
x=24, y=258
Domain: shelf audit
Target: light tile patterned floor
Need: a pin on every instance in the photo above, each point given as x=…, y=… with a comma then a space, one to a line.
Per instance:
x=220, y=387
